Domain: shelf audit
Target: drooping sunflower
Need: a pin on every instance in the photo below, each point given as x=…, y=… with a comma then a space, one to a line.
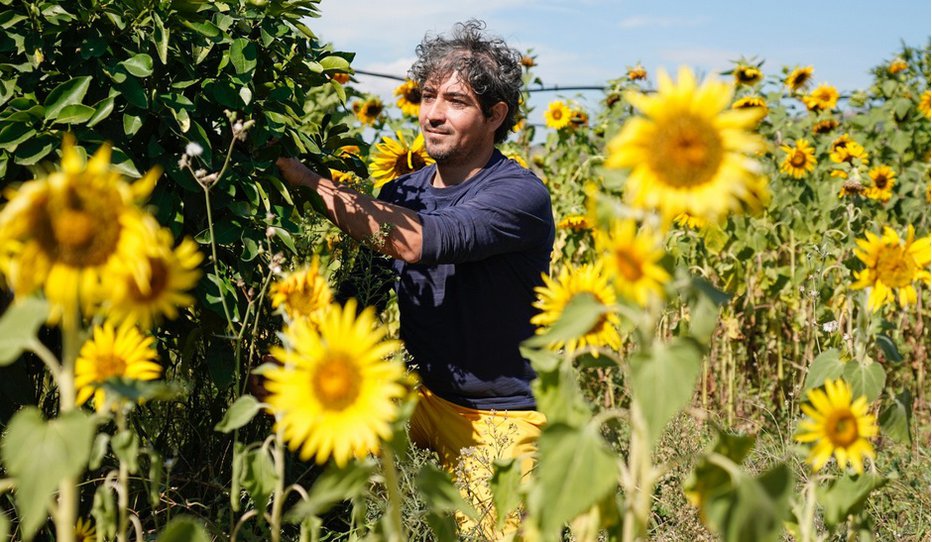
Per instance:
x=84, y=531
x=897, y=66
x=823, y=98
x=579, y=118
x=824, y=126
x=369, y=110
x=574, y=223
x=62, y=232
x=892, y=266
x=336, y=394
x=800, y=159
x=632, y=257
x=750, y=101
x=798, y=78
x=557, y=115
x=689, y=152
x=113, y=352
x=554, y=296
x=925, y=104
x=838, y=426
x=528, y=61
x=409, y=98
x=882, y=180
x=393, y=158
x=849, y=188
x=170, y=273
x=747, y=75
x=844, y=149
x=637, y=73
x=303, y=293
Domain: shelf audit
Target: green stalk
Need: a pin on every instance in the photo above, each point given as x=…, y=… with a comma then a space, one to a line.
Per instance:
x=641, y=486
x=67, y=509
x=123, y=483
x=213, y=252
x=396, y=529
x=278, y=457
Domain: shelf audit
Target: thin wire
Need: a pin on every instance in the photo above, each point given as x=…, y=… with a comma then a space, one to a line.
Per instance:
x=540, y=89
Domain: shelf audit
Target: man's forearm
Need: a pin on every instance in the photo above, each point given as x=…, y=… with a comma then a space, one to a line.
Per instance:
x=362, y=217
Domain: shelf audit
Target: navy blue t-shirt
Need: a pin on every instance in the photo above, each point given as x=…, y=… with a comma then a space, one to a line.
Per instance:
x=467, y=305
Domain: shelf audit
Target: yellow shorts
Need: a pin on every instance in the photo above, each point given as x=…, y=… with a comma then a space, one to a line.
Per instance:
x=469, y=441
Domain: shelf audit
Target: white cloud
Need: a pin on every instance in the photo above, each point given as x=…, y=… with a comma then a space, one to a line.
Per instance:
x=704, y=59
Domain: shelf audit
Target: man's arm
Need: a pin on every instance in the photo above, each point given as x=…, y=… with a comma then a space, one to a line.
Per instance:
x=361, y=216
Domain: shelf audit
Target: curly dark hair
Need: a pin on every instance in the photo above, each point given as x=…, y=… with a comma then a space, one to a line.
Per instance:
x=486, y=63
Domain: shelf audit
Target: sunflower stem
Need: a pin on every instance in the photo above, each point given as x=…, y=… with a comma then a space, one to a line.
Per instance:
x=396, y=531
x=278, y=457
x=641, y=480
x=67, y=509
x=123, y=482
x=213, y=252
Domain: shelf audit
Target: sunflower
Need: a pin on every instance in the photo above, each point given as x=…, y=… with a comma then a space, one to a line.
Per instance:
x=750, y=101
x=798, y=78
x=557, y=115
x=84, y=531
x=170, y=273
x=637, y=73
x=304, y=293
x=837, y=426
x=686, y=220
x=925, y=104
x=823, y=98
x=528, y=61
x=882, y=180
x=554, y=296
x=824, y=126
x=747, y=75
x=574, y=223
x=516, y=156
x=800, y=159
x=341, y=77
x=632, y=257
x=689, y=152
x=335, y=395
x=113, y=352
x=844, y=149
x=892, y=266
x=63, y=232
x=369, y=110
x=578, y=118
x=409, y=97
x=393, y=158
x=849, y=188
x=897, y=66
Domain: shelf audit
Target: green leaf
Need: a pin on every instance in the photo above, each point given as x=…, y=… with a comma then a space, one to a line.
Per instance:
x=865, y=379
x=506, y=478
x=826, y=366
x=846, y=495
x=104, y=511
x=754, y=508
x=102, y=110
x=68, y=93
x=31, y=152
x=581, y=314
x=139, y=65
x=895, y=418
x=131, y=124
x=125, y=446
x=575, y=471
x=333, y=486
x=888, y=347
x=441, y=494
x=243, y=55
x=98, y=451
x=205, y=28
x=334, y=62
x=663, y=381
x=239, y=414
x=160, y=38
x=258, y=477
x=142, y=390
x=13, y=134
x=18, y=327
x=558, y=395
x=183, y=529
x=40, y=454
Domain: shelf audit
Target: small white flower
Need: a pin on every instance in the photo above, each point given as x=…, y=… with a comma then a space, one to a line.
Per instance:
x=193, y=149
x=830, y=327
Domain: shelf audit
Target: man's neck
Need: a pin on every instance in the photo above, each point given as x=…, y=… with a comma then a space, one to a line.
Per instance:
x=453, y=174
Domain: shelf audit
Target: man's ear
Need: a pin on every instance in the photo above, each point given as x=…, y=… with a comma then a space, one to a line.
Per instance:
x=499, y=111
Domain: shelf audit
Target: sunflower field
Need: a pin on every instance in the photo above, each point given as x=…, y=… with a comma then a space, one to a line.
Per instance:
x=733, y=342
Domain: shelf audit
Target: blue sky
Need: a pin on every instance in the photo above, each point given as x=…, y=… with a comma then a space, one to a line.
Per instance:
x=588, y=42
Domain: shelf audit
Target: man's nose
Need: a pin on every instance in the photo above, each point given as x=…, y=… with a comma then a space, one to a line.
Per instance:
x=435, y=112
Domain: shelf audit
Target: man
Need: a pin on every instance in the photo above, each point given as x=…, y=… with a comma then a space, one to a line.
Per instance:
x=471, y=236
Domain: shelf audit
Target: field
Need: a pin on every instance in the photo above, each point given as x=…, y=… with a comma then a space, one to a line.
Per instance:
x=733, y=341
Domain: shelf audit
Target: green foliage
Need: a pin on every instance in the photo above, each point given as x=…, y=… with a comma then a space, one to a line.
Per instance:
x=18, y=328
x=239, y=414
x=183, y=529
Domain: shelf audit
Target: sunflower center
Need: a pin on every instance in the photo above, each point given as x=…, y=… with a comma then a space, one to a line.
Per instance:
x=79, y=230
x=881, y=181
x=110, y=365
x=408, y=162
x=686, y=151
x=556, y=114
x=158, y=280
x=336, y=382
x=895, y=268
x=842, y=428
x=628, y=265
x=798, y=160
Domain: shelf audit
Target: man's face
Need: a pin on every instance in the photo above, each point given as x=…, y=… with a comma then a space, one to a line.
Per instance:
x=454, y=127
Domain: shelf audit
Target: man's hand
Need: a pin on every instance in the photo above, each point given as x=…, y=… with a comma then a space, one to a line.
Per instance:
x=295, y=173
